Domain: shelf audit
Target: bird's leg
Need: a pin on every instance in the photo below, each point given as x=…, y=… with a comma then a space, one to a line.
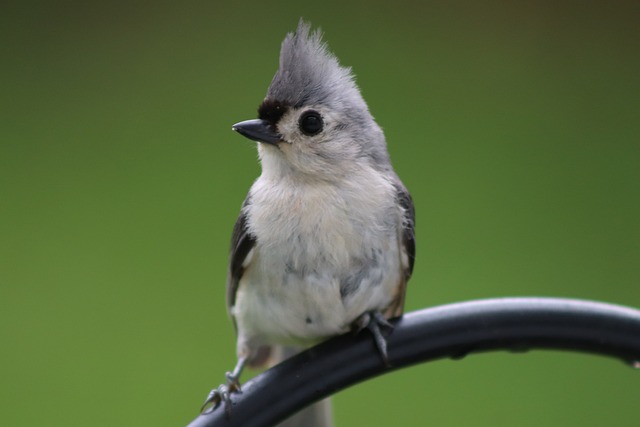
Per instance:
x=375, y=322
x=223, y=392
x=233, y=378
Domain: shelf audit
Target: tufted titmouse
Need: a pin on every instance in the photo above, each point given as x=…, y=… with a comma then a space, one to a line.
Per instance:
x=325, y=238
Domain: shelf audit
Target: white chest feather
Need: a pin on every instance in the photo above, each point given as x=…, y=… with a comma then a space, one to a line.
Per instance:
x=324, y=255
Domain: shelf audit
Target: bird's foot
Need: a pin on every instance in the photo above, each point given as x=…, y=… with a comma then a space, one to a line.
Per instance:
x=222, y=394
x=375, y=322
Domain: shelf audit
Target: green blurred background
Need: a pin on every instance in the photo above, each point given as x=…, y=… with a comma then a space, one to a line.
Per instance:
x=516, y=126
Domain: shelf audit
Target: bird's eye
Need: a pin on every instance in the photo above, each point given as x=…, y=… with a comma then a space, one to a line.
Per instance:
x=311, y=123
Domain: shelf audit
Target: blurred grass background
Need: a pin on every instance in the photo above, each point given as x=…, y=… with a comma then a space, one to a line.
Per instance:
x=516, y=126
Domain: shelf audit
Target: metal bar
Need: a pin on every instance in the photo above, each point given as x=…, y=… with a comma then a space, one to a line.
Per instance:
x=449, y=331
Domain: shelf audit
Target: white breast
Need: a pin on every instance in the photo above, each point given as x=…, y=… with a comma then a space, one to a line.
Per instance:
x=311, y=238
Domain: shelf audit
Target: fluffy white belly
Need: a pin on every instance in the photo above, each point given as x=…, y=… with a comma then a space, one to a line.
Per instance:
x=284, y=306
x=323, y=257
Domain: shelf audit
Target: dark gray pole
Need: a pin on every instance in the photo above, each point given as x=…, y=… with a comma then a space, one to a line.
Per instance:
x=453, y=331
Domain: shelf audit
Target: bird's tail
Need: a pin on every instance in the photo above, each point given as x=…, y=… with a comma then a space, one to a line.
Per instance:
x=318, y=414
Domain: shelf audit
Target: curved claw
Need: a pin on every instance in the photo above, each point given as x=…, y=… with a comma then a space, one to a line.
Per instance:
x=222, y=394
x=216, y=397
x=211, y=402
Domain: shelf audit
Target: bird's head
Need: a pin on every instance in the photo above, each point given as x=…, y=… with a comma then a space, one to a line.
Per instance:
x=313, y=120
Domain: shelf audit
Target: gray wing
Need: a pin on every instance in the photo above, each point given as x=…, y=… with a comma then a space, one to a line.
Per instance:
x=409, y=227
x=408, y=245
x=241, y=244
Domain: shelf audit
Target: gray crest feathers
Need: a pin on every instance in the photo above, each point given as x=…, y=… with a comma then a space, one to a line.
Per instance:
x=309, y=74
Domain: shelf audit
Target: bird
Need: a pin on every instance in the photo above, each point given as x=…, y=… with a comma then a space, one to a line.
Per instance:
x=325, y=240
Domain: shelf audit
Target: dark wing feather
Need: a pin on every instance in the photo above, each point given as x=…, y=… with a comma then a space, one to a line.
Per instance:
x=408, y=244
x=409, y=224
x=241, y=244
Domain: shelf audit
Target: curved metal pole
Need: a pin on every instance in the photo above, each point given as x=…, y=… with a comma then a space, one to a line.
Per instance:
x=454, y=331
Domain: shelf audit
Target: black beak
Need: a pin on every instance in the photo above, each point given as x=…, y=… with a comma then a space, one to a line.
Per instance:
x=258, y=130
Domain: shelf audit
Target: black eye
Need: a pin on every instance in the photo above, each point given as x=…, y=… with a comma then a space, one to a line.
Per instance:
x=311, y=123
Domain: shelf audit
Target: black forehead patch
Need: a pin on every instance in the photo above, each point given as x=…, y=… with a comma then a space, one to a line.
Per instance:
x=272, y=110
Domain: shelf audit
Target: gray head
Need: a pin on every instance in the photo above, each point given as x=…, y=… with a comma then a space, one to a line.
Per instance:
x=314, y=120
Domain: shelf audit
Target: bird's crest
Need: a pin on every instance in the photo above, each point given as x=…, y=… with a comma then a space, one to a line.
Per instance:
x=309, y=74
